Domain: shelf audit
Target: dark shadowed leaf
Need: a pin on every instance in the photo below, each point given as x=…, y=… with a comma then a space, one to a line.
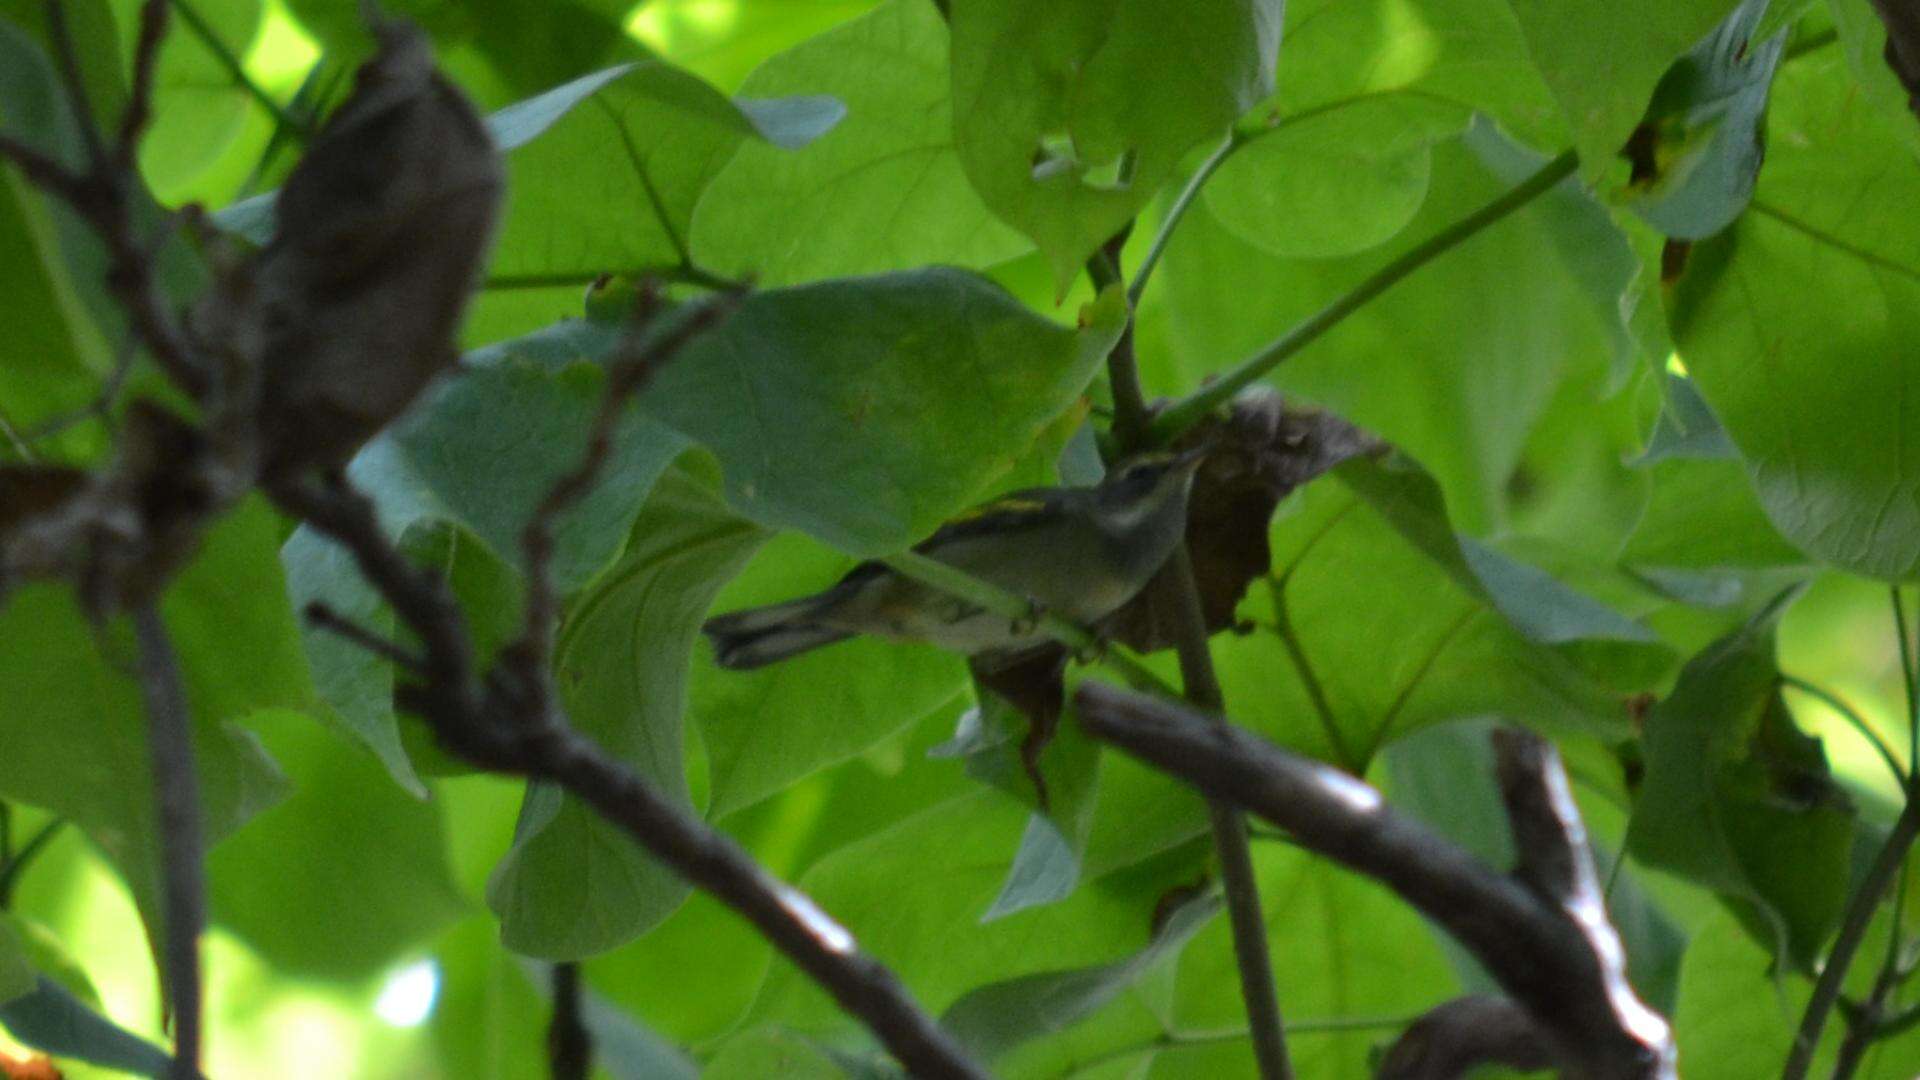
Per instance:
x=1737, y=799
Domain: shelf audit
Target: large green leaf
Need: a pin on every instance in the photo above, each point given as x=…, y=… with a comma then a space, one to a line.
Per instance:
x=994, y=1019
x=1391, y=633
x=1351, y=950
x=1702, y=139
x=914, y=893
x=1069, y=116
x=55, y=351
x=16, y=973
x=74, y=725
x=612, y=183
x=344, y=877
x=1454, y=364
x=1736, y=798
x=1821, y=408
x=882, y=191
x=198, y=106
x=1603, y=60
x=574, y=884
x=867, y=411
x=1468, y=53
x=1274, y=192
x=481, y=452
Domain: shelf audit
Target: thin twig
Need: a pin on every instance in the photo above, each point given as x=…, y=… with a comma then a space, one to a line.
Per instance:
x=1887, y=867
x=1181, y=204
x=640, y=356
x=322, y=617
x=1855, y=720
x=108, y=194
x=1183, y=414
x=176, y=790
x=1178, y=592
x=569, y=1043
x=485, y=724
x=139, y=110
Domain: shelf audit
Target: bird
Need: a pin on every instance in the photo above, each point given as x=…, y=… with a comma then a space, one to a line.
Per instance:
x=1077, y=552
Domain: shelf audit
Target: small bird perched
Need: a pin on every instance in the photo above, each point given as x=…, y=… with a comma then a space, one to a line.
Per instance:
x=1077, y=552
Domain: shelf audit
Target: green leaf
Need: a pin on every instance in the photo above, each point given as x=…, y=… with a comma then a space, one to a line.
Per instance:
x=56, y=354
x=1070, y=116
x=772, y=1050
x=1735, y=1019
x=991, y=1020
x=1736, y=798
x=1820, y=408
x=611, y=185
x=69, y=685
x=1275, y=194
x=1703, y=138
x=1454, y=365
x=1340, y=934
x=574, y=884
x=198, y=107
x=54, y=1021
x=1466, y=52
x=1703, y=533
x=883, y=191
x=653, y=135
x=1863, y=35
x=343, y=878
x=1603, y=60
x=1354, y=678
x=16, y=973
x=867, y=411
x=481, y=452
x=922, y=917
x=991, y=737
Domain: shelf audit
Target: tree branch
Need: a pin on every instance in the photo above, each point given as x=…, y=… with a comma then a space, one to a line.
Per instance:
x=176, y=791
x=1542, y=934
x=505, y=720
x=1469, y=1031
x=569, y=1044
x=1177, y=591
x=108, y=194
x=1853, y=931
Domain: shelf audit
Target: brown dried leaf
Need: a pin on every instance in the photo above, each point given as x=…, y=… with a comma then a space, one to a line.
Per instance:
x=382, y=231
x=1258, y=453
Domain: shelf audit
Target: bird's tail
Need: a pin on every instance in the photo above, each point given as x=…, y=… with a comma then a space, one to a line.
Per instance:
x=760, y=636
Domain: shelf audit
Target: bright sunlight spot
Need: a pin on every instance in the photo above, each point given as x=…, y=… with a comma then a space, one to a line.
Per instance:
x=282, y=52
x=1675, y=366
x=407, y=999
x=660, y=24
x=1408, y=46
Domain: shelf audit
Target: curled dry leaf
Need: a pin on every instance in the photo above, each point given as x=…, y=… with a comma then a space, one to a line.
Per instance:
x=382, y=230
x=1260, y=450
